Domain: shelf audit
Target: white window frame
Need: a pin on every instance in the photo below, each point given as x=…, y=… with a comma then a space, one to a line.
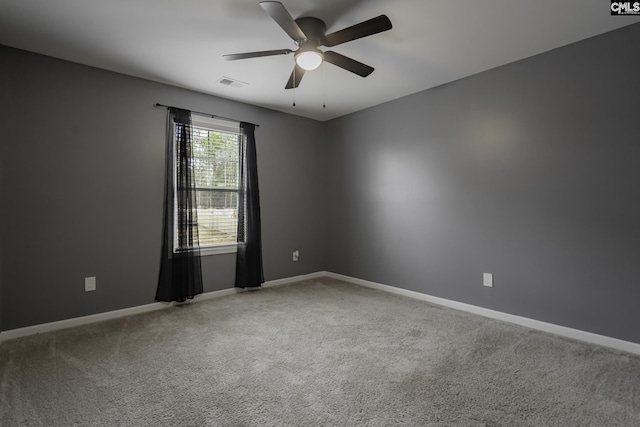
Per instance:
x=216, y=125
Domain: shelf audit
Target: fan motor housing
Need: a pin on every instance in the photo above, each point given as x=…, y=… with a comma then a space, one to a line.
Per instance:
x=313, y=28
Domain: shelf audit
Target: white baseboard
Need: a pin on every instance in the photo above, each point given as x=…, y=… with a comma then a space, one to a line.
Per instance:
x=78, y=321
x=287, y=280
x=563, y=331
x=100, y=317
x=576, y=334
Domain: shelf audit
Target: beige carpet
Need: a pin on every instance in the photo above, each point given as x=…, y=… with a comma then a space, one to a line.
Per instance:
x=317, y=353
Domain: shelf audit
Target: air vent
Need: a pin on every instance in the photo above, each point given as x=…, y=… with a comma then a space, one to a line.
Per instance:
x=227, y=81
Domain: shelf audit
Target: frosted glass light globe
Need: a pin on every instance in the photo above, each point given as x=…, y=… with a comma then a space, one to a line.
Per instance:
x=309, y=59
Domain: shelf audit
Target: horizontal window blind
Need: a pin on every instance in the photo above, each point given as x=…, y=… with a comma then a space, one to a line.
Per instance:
x=216, y=172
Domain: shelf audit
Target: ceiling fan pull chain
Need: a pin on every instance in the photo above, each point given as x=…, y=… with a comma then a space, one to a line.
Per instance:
x=324, y=85
x=294, y=85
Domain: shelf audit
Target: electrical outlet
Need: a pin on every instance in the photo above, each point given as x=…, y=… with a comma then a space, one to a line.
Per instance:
x=487, y=280
x=296, y=255
x=89, y=284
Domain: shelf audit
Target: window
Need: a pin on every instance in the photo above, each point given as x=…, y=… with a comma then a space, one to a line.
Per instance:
x=216, y=171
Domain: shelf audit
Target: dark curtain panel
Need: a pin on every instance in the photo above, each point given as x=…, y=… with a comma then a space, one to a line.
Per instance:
x=249, y=258
x=180, y=270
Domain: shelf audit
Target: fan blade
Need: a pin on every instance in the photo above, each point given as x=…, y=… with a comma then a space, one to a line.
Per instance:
x=296, y=75
x=234, y=56
x=279, y=14
x=348, y=64
x=367, y=28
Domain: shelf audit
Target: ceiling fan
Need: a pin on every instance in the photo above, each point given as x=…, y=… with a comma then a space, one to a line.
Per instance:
x=309, y=33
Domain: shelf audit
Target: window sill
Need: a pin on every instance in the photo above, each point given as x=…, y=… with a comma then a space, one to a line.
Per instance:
x=218, y=249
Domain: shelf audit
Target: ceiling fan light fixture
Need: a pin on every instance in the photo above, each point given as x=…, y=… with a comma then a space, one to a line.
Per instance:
x=309, y=59
x=308, y=33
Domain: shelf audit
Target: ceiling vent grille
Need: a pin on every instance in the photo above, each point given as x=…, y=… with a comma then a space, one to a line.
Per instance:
x=227, y=81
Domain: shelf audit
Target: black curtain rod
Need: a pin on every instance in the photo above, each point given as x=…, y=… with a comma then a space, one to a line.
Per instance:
x=205, y=114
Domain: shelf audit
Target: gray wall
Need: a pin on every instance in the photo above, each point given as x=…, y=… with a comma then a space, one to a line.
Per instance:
x=530, y=171
x=2, y=208
x=82, y=173
x=1, y=203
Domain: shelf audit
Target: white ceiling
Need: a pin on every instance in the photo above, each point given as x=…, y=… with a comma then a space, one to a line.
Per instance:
x=181, y=42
